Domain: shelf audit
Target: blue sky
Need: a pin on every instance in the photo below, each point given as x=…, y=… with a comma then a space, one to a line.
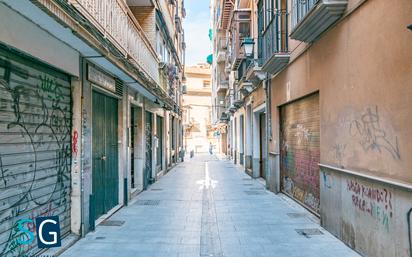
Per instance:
x=196, y=25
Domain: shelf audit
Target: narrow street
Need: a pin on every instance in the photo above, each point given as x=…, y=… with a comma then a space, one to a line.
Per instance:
x=208, y=207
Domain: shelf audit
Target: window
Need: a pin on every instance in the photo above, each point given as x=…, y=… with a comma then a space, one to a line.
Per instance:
x=244, y=30
x=159, y=44
x=206, y=83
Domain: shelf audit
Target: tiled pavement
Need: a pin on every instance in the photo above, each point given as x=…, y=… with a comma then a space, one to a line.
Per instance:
x=207, y=207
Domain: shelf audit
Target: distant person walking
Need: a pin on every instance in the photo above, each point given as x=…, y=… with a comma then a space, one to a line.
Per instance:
x=182, y=154
x=210, y=148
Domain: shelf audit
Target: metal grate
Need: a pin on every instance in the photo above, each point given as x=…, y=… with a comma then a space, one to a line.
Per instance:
x=148, y=202
x=119, y=87
x=308, y=232
x=296, y=215
x=260, y=192
x=156, y=189
x=100, y=238
x=112, y=223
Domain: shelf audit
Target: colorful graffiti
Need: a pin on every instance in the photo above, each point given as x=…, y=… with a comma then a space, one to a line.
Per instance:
x=303, y=181
x=327, y=179
x=35, y=151
x=373, y=201
x=300, y=150
x=74, y=144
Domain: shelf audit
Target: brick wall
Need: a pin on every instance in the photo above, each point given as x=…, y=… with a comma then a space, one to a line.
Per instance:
x=146, y=17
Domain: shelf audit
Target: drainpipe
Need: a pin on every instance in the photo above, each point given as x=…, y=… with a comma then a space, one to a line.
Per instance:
x=267, y=86
x=83, y=83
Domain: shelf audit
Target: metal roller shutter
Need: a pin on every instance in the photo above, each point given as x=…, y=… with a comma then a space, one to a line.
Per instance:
x=35, y=148
x=300, y=141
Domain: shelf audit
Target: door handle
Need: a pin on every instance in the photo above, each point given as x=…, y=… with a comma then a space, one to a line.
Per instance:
x=104, y=158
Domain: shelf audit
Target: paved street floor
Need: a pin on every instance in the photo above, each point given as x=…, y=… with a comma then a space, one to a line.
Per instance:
x=207, y=207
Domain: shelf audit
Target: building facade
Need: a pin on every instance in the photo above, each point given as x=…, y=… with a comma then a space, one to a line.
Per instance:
x=197, y=110
x=333, y=98
x=90, y=109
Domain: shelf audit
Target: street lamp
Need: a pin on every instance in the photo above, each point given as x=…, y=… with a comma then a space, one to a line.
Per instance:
x=247, y=46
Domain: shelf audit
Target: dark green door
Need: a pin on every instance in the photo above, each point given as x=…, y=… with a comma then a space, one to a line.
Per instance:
x=105, y=154
x=148, y=155
x=159, y=134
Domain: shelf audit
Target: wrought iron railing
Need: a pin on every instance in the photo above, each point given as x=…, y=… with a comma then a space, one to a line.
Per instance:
x=244, y=67
x=115, y=21
x=299, y=10
x=274, y=37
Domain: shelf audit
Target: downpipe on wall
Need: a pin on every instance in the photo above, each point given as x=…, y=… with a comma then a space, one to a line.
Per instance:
x=266, y=87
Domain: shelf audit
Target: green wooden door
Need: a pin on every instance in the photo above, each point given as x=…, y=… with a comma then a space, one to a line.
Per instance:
x=105, y=154
x=148, y=154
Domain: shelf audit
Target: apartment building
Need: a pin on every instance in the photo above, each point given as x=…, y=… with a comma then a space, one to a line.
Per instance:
x=197, y=110
x=90, y=108
x=318, y=104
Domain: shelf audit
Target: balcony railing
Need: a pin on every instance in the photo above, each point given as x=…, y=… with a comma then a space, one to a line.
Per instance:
x=273, y=42
x=223, y=84
x=310, y=18
x=115, y=21
x=300, y=8
x=274, y=38
x=240, y=29
x=243, y=68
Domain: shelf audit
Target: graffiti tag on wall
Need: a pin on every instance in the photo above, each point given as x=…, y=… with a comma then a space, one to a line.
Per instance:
x=372, y=137
x=372, y=201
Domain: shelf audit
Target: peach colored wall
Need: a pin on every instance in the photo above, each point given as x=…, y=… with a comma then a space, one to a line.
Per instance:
x=258, y=97
x=362, y=69
x=363, y=63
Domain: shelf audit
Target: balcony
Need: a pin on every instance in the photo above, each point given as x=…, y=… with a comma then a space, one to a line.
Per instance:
x=227, y=7
x=224, y=117
x=239, y=30
x=223, y=114
x=310, y=18
x=221, y=50
x=140, y=3
x=238, y=100
x=273, y=42
x=243, y=68
x=163, y=76
x=116, y=22
x=255, y=74
x=178, y=24
x=222, y=86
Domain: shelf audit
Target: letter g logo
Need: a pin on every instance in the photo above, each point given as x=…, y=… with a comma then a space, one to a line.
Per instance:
x=48, y=232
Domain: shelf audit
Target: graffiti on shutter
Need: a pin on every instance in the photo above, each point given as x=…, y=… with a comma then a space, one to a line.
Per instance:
x=35, y=149
x=300, y=134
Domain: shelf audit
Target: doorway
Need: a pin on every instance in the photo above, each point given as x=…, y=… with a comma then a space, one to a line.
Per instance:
x=159, y=135
x=242, y=140
x=105, y=177
x=262, y=145
x=149, y=146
